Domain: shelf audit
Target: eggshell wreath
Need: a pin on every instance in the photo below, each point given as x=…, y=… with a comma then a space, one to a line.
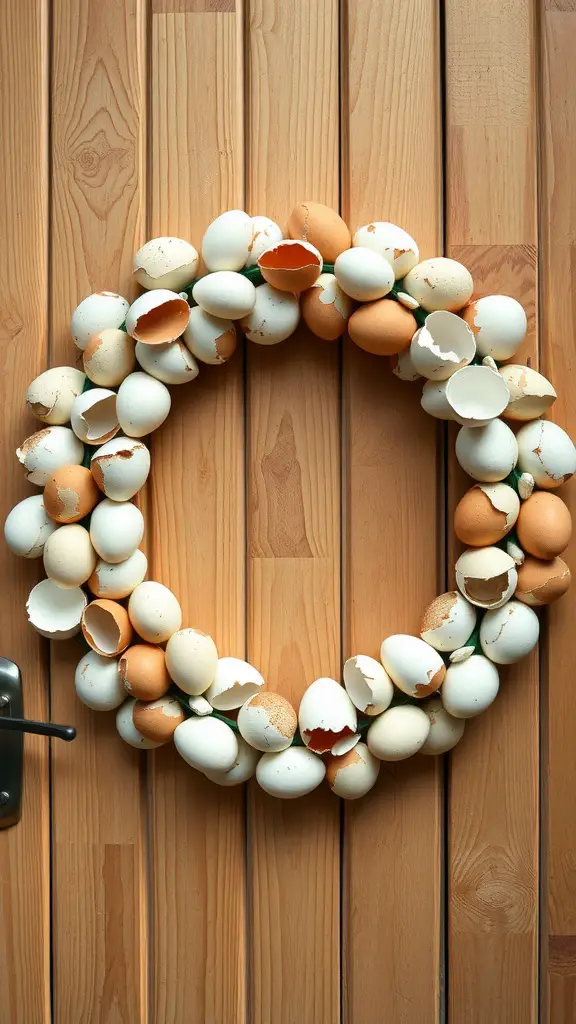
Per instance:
x=169, y=682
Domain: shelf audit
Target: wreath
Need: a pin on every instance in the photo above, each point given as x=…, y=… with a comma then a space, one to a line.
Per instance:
x=169, y=682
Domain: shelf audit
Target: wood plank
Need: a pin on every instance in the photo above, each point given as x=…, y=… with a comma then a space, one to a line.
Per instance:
x=100, y=910
x=393, y=837
x=493, y=797
x=293, y=527
x=25, y=848
x=197, y=495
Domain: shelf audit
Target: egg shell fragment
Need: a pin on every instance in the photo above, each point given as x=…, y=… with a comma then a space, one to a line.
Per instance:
x=106, y=627
x=327, y=718
x=157, y=317
x=476, y=395
x=322, y=227
x=487, y=576
x=47, y=450
x=244, y=767
x=509, y=633
x=367, y=684
x=547, y=452
x=93, y=417
x=392, y=242
x=157, y=719
x=225, y=294
x=98, y=684
x=206, y=744
x=291, y=266
x=290, y=773
x=399, y=733
x=118, y=580
x=172, y=363
x=325, y=308
x=28, y=526
x=439, y=284
x=109, y=357
x=192, y=660
x=120, y=467
x=448, y=622
x=499, y=324
x=434, y=401
x=275, y=316
x=485, y=514
x=154, y=612
x=227, y=240
x=142, y=404
x=442, y=346
x=69, y=558
x=382, y=328
x=412, y=664
x=403, y=367
x=54, y=612
x=363, y=274
x=128, y=731
x=209, y=338
x=267, y=721
x=234, y=682
x=265, y=234
x=531, y=394
x=199, y=705
x=96, y=313
x=116, y=529
x=165, y=262
x=445, y=730
x=51, y=395
x=542, y=582
x=488, y=453
x=70, y=494
x=544, y=525
x=354, y=774
x=143, y=672
x=470, y=687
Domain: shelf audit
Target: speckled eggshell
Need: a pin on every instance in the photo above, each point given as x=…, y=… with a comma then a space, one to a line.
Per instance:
x=392, y=242
x=165, y=262
x=70, y=494
x=448, y=622
x=354, y=774
x=542, y=582
x=326, y=309
x=267, y=721
x=485, y=514
x=274, y=318
x=158, y=719
x=544, y=525
x=440, y=283
x=143, y=672
x=322, y=226
x=383, y=327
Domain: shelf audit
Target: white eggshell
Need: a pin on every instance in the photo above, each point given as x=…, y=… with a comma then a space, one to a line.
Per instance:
x=243, y=768
x=367, y=684
x=116, y=529
x=54, y=612
x=499, y=324
x=142, y=404
x=51, y=395
x=109, y=357
x=399, y=733
x=442, y=346
x=128, y=731
x=234, y=682
x=509, y=633
x=290, y=773
x=69, y=558
x=28, y=527
x=354, y=774
x=392, y=242
x=327, y=718
x=43, y=453
x=95, y=313
x=470, y=687
x=226, y=242
x=211, y=339
x=93, y=417
x=206, y=744
x=487, y=453
x=413, y=665
x=165, y=263
x=434, y=400
x=154, y=612
x=167, y=327
x=547, y=452
x=172, y=363
x=531, y=394
x=274, y=318
x=445, y=730
x=439, y=283
x=199, y=705
x=363, y=274
x=487, y=576
x=98, y=683
x=265, y=234
x=121, y=467
x=448, y=621
x=476, y=395
x=115, y=580
x=403, y=367
x=267, y=721
x=191, y=660
x=225, y=294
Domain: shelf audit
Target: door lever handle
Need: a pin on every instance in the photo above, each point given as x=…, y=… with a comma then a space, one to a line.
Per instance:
x=59, y=732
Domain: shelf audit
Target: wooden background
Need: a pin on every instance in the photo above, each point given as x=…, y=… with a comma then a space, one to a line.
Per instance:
x=299, y=508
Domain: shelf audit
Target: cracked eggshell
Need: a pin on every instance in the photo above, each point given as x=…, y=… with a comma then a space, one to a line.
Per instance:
x=487, y=577
x=367, y=684
x=234, y=682
x=154, y=612
x=142, y=404
x=121, y=467
x=544, y=525
x=412, y=664
x=28, y=526
x=509, y=633
x=118, y=580
x=199, y=705
x=116, y=529
x=322, y=227
x=476, y=395
x=445, y=344
x=267, y=721
x=54, y=612
x=192, y=660
x=485, y=514
x=445, y=730
x=206, y=744
x=93, y=417
x=109, y=357
x=541, y=582
x=392, y=242
x=326, y=309
x=274, y=318
x=265, y=234
x=172, y=363
x=243, y=768
x=69, y=557
x=290, y=773
x=98, y=684
x=70, y=494
x=143, y=672
x=530, y=393
x=96, y=313
x=487, y=453
x=354, y=774
x=327, y=718
x=547, y=452
x=499, y=325
x=47, y=450
x=470, y=687
x=291, y=266
x=211, y=339
x=51, y=395
x=128, y=731
x=382, y=328
x=434, y=400
x=157, y=317
x=439, y=284
x=363, y=274
x=403, y=367
x=448, y=622
x=165, y=263
x=399, y=733
x=158, y=719
x=225, y=294
x=106, y=627
x=226, y=242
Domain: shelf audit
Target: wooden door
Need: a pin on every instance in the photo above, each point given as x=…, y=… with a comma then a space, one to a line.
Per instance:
x=299, y=506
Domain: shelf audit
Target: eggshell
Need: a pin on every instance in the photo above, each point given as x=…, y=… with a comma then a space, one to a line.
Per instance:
x=322, y=226
x=363, y=274
x=525, y=485
x=509, y=633
x=542, y=582
x=544, y=525
x=121, y=467
x=403, y=367
x=327, y=718
x=267, y=721
x=70, y=494
x=326, y=309
x=470, y=687
x=165, y=263
x=413, y=665
x=499, y=325
x=383, y=327
x=392, y=242
x=172, y=363
x=487, y=453
x=54, y=612
x=274, y=318
x=444, y=345
x=192, y=660
x=290, y=773
x=399, y=733
x=116, y=529
x=226, y=242
x=354, y=774
x=199, y=705
x=291, y=266
x=128, y=731
x=476, y=395
x=28, y=526
x=143, y=672
x=546, y=451
x=211, y=339
x=265, y=233
x=243, y=768
x=225, y=294
x=485, y=514
x=158, y=719
x=93, y=417
x=109, y=357
x=142, y=404
x=367, y=684
x=439, y=283
x=106, y=627
x=69, y=557
x=434, y=400
x=51, y=395
x=98, y=684
x=445, y=730
x=96, y=313
x=530, y=393
x=44, y=452
x=487, y=576
x=234, y=682
x=118, y=580
x=154, y=612
x=448, y=622
x=157, y=317
x=206, y=744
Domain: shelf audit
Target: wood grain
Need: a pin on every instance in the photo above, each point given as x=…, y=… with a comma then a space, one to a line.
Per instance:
x=100, y=903
x=391, y=166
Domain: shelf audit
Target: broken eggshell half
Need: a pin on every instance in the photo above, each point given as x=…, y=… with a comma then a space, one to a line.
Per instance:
x=47, y=450
x=157, y=317
x=327, y=718
x=476, y=395
x=93, y=417
x=234, y=682
x=486, y=577
x=443, y=345
x=51, y=395
x=106, y=627
x=531, y=394
x=368, y=684
x=267, y=721
x=165, y=263
x=354, y=774
x=413, y=665
x=121, y=467
x=291, y=265
x=54, y=612
x=448, y=621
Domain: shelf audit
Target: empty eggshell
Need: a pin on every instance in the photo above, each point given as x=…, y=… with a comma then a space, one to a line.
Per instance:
x=106, y=627
x=434, y=400
x=69, y=557
x=51, y=395
x=98, y=684
x=274, y=318
x=172, y=363
x=109, y=357
x=412, y=664
x=487, y=577
x=530, y=393
x=354, y=774
x=43, y=453
x=290, y=773
x=509, y=633
x=28, y=526
x=547, y=452
x=165, y=263
x=383, y=327
x=392, y=242
x=199, y=705
x=476, y=395
x=444, y=345
x=209, y=338
x=54, y=612
x=363, y=274
x=96, y=313
x=291, y=266
x=154, y=612
x=93, y=417
x=470, y=687
x=542, y=582
x=226, y=242
x=399, y=733
x=244, y=766
x=439, y=283
x=320, y=225
x=445, y=730
x=118, y=580
x=267, y=721
x=544, y=525
x=485, y=514
x=143, y=672
x=265, y=233
x=367, y=684
x=487, y=453
x=158, y=719
x=327, y=718
x=499, y=325
x=225, y=294
x=403, y=367
x=234, y=682
x=121, y=467
x=157, y=317
x=448, y=622
x=116, y=529
x=206, y=744
x=70, y=494
x=128, y=731
x=326, y=309
x=142, y=404
x=192, y=660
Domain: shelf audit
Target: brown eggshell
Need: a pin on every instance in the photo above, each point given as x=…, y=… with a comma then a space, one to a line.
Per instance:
x=544, y=525
x=322, y=226
x=143, y=672
x=542, y=582
x=383, y=327
x=159, y=719
x=477, y=523
x=70, y=494
x=106, y=627
x=291, y=266
x=326, y=309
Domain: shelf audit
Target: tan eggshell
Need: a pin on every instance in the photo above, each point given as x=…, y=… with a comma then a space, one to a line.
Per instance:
x=542, y=582
x=109, y=357
x=399, y=733
x=70, y=494
x=531, y=394
x=354, y=774
x=106, y=627
x=191, y=660
x=322, y=226
x=158, y=719
x=445, y=730
x=325, y=308
x=448, y=622
x=69, y=557
x=165, y=263
x=50, y=395
x=118, y=579
x=486, y=576
x=291, y=266
x=383, y=327
x=143, y=672
x=267, y=721
x=440, y=283
x=485, y=514
x=157, y=317
x=544, y=525
x=128, y=731
x=154, y=611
